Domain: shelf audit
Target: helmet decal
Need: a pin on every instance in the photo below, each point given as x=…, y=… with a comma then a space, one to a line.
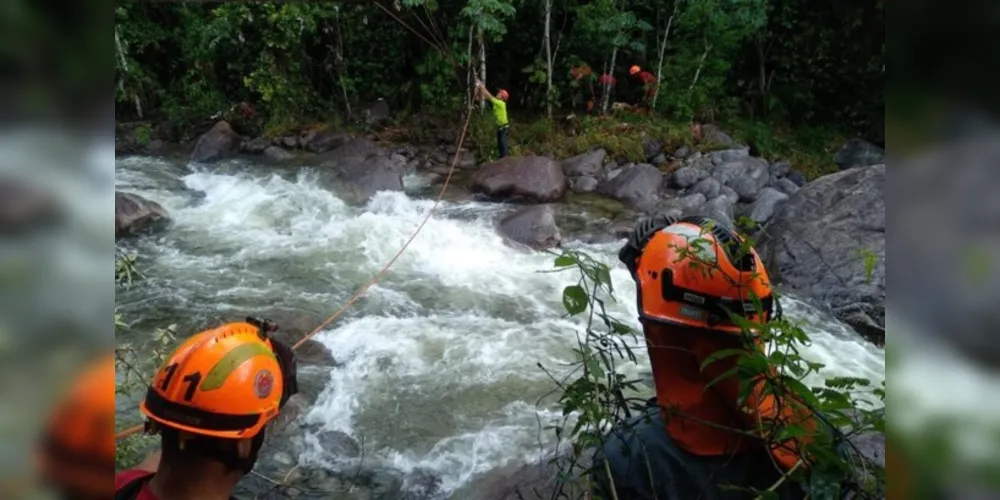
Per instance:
x=263, y=384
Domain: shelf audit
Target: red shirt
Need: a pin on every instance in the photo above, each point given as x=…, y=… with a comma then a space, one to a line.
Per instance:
x=646, y=77
x=607, y=79
x=125, y=477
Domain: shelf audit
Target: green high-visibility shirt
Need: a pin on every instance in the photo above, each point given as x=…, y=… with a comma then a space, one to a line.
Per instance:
x=499, y=111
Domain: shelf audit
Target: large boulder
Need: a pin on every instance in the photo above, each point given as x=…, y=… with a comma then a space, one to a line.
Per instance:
x=218, y=143
x=638, y=185
x=133, y=214
x=827, y=238
x=858, y=153
x=534, y=226
x=323, y=140
x=590, y=164
x=533, y=178
x=363, y=169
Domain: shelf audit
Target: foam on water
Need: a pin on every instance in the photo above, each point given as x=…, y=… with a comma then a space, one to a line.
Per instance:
x=439, y=360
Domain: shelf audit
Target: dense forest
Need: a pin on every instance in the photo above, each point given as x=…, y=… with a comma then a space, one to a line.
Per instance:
x=794, y=62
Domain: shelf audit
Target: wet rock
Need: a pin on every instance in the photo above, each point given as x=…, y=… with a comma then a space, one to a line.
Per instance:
x=218, y=143
x=780, y=169
x=708, y=187
x=534, y=226
x=586, y=164
x=686, y=177
x=533, y=481
x=583, y=184
x=337, y=443
x=767, y=202
x=816, y=242
x=858, y=153
x=636, y=185
x=466, y=159
x=786, y=186
x=365, y=169
x=326, y=140
x=256, y=146
x=276, y=153
x=421, y=484
x=535, y=178
x=134, y=214
x=25, y=205
x=797, y=178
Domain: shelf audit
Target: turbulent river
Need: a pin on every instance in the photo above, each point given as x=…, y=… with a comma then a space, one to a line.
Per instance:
x=437, y=364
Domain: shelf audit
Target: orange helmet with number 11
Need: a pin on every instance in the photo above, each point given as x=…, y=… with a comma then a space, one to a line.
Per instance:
x=224, y=383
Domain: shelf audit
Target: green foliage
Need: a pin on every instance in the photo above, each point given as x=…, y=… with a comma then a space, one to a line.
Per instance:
x=299, y=62
x=596, y=393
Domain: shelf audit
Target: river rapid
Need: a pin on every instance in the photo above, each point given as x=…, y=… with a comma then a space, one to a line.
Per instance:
x=437, y=365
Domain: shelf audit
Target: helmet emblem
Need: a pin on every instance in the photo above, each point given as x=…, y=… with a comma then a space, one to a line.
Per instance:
x=264, y=384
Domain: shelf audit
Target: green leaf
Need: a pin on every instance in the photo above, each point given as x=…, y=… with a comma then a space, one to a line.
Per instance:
x=724, y=353
x=575, y=299
x=565, y=261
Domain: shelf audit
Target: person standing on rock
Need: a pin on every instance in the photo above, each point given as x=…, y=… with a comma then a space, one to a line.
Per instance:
x=210, y=403
x=499, y=104
x=696, y=436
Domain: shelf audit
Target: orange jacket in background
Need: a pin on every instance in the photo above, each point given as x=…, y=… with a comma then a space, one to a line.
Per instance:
x=698, y=417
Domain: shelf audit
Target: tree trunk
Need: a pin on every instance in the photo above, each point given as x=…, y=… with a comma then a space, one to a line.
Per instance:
x=605, y=86
x=663, y=49
x=339, y=54
x=548, y=55
x=701, y=64
x=762, y=69
x=482, y=60
x=469, y=80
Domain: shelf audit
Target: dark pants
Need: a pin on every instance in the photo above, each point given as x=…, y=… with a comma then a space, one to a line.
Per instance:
x=645, y=464
x=503, y=133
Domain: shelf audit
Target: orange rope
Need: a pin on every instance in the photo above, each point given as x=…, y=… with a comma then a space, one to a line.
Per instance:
x=361, y=291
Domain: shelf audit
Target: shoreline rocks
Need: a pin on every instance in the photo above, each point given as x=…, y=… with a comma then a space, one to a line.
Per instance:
x=135, y=214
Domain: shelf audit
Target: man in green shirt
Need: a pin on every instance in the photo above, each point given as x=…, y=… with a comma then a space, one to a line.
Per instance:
x=500, y=113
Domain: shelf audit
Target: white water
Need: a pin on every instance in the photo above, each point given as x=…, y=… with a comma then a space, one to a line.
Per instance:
x=440, y=359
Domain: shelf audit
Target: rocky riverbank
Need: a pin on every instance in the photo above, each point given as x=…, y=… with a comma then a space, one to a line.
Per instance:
x=825, y=239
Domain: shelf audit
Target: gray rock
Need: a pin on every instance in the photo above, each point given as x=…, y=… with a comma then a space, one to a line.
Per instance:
x=651, y=148
x=728, y=155
x=637, y=184
x=256, y=146
x=786, y=186
x=682, y=152
x=326, y=140
x=718, y=208
x=858, y=153
x=745, y=187
x=365, y=169
x=659, y=159
x=583, y=185
x=218, y=143
x=586, y=164
x=276, y=153
x=690, y=202
x=377, y=112
x=535, y=178
x=289, y=142
x=686, y=177
x=709, y=187
x=534, y=226
x=780, y=169
x=134, y=214
x=729, y=194
x=817, y=240
x=767, y=202
x=797, y=178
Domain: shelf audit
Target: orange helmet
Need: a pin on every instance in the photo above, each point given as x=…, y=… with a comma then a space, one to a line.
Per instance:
x=633, y=70
x=503, y=95
x=78, y=445
x=690, y=273
x=226, y=383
